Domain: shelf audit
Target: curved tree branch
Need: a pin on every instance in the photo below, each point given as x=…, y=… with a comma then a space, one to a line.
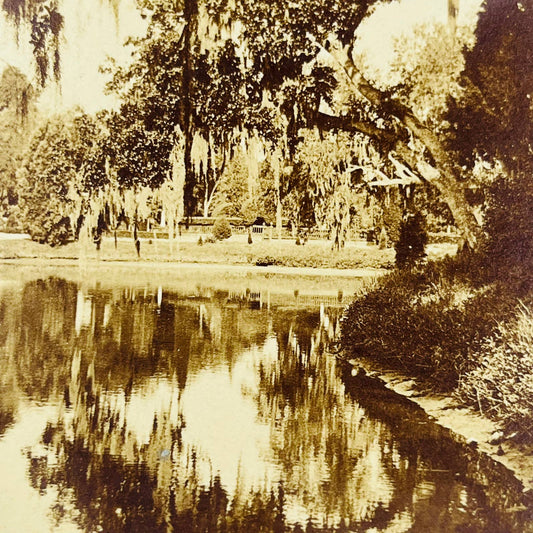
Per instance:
x=443, y=172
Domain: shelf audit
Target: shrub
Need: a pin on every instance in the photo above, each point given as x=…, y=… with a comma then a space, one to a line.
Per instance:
x=383, y=239
x=425, y=323
x=13, y=223
x=221, y=229
x=501, y=383
x=268, y=261
x=52, y=230
x=411, y=245
x=308, y=257
x=391, y=221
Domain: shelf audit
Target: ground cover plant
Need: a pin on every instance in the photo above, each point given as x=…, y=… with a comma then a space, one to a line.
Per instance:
x=501, y=383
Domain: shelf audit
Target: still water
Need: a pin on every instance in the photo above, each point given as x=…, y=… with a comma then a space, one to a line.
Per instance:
x=145, y=409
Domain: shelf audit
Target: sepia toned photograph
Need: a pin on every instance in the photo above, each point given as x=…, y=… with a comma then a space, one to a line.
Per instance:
x=266, y=266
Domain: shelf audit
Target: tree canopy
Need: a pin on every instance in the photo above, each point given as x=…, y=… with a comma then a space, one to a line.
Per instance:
x=63, y=167
x=212, y=76
x=17, y=114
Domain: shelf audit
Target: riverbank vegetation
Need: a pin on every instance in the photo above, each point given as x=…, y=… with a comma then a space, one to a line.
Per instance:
x=464, y=325
x=454, y=335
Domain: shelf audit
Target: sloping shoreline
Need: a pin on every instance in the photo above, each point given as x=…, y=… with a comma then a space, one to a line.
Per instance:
x=462, y=421
x=363, y=272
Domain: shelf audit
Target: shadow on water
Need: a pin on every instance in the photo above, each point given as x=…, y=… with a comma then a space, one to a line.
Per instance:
x=494, y=501
x=215, y=414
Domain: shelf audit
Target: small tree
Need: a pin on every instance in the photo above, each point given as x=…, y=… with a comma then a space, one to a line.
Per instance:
x=17, y=114
x=411, y=245
x=62, y=168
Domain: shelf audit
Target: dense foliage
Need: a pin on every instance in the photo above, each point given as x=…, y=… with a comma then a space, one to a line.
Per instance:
x=214, y=76
x=411, y=244
x=466, y=325
x=17, y=115
x=64, y=165
x=221, y=229
x=492, y=386
x=427, y=322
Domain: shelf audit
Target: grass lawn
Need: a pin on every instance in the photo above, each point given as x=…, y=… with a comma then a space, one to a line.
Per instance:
x=232, y=251
x=236, y=251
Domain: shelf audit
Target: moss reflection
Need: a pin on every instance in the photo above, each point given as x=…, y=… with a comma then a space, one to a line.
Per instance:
x=124, y=369
x=369, y=458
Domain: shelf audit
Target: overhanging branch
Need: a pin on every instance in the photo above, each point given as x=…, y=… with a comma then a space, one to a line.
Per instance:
x=442, y=172
x=327, y=122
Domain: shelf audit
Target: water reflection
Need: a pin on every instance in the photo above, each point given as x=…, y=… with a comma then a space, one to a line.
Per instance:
x=151, y=411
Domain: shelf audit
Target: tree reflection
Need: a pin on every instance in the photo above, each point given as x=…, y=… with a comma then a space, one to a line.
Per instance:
x=470, y=482
x=376, y=463
x=325, y=460
x=108, y=478
x=121, y=456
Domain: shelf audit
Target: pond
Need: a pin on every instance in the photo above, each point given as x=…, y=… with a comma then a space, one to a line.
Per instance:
x=217, y=407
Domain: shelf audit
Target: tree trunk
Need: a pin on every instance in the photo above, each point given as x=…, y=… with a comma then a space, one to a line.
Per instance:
x=279, y=223
x=451, y=190
x=190, y=34
x=277, y=187
x=206, y=204
x=136, y=239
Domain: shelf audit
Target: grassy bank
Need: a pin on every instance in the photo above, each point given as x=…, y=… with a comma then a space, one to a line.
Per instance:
x=316, y=254
x=453, y=334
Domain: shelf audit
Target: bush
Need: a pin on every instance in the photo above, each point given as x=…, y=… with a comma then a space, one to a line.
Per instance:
x=383, y=239
x=501, y=383
x=52, y=230
x=308, y=257
x=391, y=221
x=13, y=223
x=221, y=229
x=268, y=261
x=424, y=323
x=411, y=245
